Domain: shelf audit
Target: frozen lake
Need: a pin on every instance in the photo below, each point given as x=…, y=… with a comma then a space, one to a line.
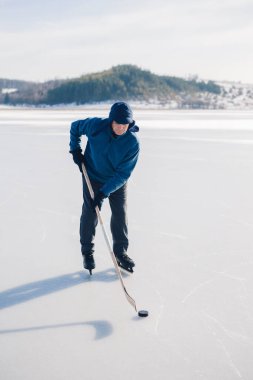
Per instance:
x=191, y=232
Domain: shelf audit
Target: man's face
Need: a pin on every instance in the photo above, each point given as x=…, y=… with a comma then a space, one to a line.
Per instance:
x=119, y=129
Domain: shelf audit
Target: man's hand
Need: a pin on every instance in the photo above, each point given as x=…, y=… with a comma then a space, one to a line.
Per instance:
x=98, y=200
x=78, y=158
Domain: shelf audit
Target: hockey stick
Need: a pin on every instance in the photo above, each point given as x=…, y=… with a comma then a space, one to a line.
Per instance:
x=129, y=298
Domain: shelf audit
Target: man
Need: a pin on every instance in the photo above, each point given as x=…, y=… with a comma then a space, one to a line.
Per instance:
x=110, y=156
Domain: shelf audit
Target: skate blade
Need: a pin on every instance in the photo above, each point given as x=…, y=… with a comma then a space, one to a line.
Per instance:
x=126, y=269
x=89, y=270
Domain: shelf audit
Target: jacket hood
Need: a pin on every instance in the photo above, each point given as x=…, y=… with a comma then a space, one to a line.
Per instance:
x=133, y=127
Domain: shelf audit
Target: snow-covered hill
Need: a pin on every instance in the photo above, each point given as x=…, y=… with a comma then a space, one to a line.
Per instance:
x=236, y=96
x=233, y=96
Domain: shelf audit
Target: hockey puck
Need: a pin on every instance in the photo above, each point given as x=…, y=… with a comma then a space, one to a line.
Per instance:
x=143, y=313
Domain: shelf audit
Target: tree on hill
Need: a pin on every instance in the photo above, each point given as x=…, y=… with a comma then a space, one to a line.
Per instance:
x=125, y=82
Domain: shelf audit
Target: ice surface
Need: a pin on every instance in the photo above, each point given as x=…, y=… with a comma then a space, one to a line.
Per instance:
x=191, y=227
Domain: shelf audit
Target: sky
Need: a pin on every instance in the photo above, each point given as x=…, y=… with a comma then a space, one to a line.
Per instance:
x=53, y=39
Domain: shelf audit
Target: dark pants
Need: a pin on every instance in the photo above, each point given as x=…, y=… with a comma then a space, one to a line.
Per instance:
x=89, y=220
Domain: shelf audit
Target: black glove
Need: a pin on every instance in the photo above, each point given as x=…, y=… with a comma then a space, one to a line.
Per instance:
x=98, y=200
x=78, y=158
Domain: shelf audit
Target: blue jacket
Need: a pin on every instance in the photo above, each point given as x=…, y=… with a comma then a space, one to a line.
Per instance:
x=109, y=160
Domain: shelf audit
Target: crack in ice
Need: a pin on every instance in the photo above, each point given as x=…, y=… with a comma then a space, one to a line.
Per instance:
x=196, y=289
x=221, y=343
x=160, y=311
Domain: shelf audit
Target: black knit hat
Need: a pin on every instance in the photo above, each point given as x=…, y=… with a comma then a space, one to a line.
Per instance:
x=121, y=113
